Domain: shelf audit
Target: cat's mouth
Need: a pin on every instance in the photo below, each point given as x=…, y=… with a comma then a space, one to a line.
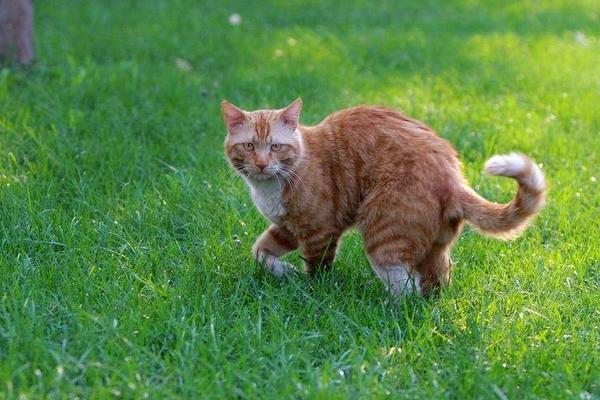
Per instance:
x=261, y=176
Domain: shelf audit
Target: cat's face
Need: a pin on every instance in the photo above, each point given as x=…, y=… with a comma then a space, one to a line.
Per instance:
x=263, y=144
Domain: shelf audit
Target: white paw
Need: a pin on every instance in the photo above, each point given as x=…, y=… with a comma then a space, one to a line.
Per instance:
x=281, y=268
x=398, y=279
x=274, y=265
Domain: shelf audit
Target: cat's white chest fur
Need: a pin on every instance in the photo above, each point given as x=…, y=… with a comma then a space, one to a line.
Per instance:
x=267, y=195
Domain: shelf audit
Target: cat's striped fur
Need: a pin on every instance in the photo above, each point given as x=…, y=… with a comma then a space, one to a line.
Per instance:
x=372, y=167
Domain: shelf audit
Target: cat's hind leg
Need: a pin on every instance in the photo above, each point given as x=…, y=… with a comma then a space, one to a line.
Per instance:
x=398, y=234
x=395, y=256
x=399, y=279
x=274, y=243
x=436, y=264
x=435, y=269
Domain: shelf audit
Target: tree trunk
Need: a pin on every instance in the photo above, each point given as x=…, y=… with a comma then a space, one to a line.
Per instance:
x=16, y=30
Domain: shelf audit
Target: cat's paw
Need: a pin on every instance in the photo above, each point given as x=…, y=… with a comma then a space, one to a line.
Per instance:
x=274, y=265
x=281, y=268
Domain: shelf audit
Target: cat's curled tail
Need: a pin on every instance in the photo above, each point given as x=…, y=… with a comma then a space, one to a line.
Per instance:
x=506, y=221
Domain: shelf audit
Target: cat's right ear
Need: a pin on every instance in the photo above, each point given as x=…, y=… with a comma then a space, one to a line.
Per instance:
x=233, y=116
x=291, y=114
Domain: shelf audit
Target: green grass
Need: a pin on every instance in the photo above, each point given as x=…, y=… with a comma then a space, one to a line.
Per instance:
x=125, y=267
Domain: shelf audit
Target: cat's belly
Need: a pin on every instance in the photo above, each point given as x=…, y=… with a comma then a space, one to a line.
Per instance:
x=267, y=195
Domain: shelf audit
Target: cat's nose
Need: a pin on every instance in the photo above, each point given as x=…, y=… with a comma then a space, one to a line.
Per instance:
x=261, y=166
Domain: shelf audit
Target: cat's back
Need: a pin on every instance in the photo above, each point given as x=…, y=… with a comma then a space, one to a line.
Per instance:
x=365, y=145
x=362, y=152
x=372, y=117
x=368, y=128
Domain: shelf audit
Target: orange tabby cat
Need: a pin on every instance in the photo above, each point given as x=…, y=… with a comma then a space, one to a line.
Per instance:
x=391, y=176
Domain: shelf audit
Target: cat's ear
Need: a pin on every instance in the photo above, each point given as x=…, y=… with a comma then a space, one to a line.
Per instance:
x=291, y=114
x=233, y=116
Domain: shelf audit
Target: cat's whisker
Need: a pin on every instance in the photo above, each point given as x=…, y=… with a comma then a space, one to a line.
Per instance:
x=243, y=169
x=291, y=182
x=231, y=175
x=293, y=179
x=287, y=177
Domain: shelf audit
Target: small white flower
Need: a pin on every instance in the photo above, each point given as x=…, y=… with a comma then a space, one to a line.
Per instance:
x=278, y=53
x=235, y=19
x=585, y=396
x=391, y=351
x=581, y=39
x=291, y=41
x=182, y=64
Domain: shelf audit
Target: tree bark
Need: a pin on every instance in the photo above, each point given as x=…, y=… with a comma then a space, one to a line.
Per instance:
x=16, y=30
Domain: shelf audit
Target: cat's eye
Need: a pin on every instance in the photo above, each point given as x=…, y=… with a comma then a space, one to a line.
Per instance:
x=248, y=146
x=276, y=147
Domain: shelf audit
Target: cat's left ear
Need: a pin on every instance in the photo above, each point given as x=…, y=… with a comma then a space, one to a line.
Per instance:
x=291, y=114
x=233, y=116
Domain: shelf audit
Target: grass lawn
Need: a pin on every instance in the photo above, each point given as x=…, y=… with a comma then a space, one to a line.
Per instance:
x=125, y=266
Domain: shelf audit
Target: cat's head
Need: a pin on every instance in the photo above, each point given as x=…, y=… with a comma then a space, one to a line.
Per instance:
x=263, y=144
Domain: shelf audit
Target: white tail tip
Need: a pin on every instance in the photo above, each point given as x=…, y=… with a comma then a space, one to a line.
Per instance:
x=512, y=164
x=517, y=166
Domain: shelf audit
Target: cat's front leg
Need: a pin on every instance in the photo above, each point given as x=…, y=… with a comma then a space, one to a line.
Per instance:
x=274, y=243
x=318, y=251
